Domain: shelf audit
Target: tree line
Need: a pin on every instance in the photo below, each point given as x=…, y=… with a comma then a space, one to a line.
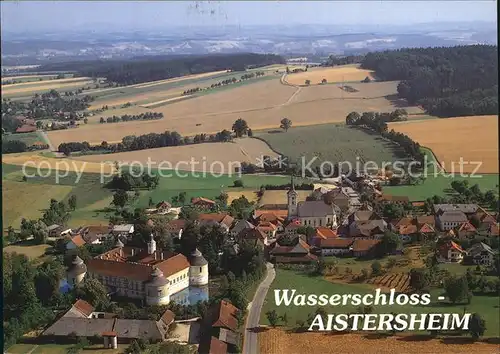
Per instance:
x=377, y=122
x=12, y=146
x=445, y=81
x=154, y=140
x=134, y=71
x=132, y=117
x=232, y=80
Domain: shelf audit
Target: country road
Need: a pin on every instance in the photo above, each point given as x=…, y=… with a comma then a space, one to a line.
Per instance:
x=250, y=344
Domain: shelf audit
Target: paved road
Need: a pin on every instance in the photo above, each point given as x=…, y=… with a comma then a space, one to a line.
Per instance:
x=250, y=345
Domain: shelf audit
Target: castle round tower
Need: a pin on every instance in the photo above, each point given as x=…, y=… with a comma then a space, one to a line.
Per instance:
x=198, y=269
x=76, y=272
x=157, y=292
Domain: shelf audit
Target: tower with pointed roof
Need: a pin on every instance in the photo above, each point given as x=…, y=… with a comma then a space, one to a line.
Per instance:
x=292, y=200
x=157, y=288
x=198, y=269
x=151, y=245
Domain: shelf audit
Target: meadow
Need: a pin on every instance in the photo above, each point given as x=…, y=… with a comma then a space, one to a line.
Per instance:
x=330, y=142
x=27, y=138
x=29, y=199
x=472, y=138
x=280, y=196
x=486, y=306
x=344, y=73
x=30, y=88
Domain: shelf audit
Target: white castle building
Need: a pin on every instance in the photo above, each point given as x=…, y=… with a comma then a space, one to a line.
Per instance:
x=151, y=275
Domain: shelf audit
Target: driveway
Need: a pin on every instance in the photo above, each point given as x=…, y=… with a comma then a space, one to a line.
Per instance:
x=250, y=344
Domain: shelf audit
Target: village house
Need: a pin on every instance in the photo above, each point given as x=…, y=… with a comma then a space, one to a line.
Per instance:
x=163, y=207
x=366, y=224
x=298, y=253
x=56, y=230
x=364, y=248
x=395, y=199
x=268, y=228
x=74, y=242
x=335, y=246
x=466, y=231
x=203, y=203
x=448, y=220
x=481, y=254
x=220, y=329
x=255, y=236
x=148, y=274
x=123, y=230
x=223, y=220
x=96, y=234
x=238, y=226
x=322, y=233
x=449, y=252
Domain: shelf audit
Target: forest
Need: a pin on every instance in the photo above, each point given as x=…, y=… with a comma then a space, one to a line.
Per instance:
x=445, y=81
x=128, y=72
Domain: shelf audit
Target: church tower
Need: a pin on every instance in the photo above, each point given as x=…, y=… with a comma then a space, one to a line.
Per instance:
x=292, y=201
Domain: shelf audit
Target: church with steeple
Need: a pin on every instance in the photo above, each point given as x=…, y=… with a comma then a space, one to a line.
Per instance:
x=150, y=274
x=310, y=213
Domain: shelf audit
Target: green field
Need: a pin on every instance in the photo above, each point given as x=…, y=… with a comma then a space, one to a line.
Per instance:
x=486, y=306
x=27, y=138
x=331, y=142
x=28, y=199
x=438, y=184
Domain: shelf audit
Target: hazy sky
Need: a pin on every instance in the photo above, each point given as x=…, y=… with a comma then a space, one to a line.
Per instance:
x=31, y=16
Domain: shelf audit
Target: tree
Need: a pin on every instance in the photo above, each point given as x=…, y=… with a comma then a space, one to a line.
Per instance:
x=11, y=235
x=93, y=292
x=240, y=127
x=308, y=82
x=85, y=120
x=238, y=183
x=120, y=198
x=182, y=198
x=272, y=317
x=102, y=120
x=72, y=202
x=39, y=124
x=222, y=199
x=456, y=289
x=419, y=279
x=40, y=232
x=389, y=243
x=250, y=133
x=285, y=124
x=284, y=319
x=323, y=81
x=477, y=326
x=376, y=268
x=352, y=118
x=150, y=202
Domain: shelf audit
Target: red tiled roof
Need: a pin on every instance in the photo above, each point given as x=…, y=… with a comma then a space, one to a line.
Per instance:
x=426, y=228
x=168, y=317
x=408, y=229
x=173, y=265
x=266, y=226
x=364, y=245
x=176, y=225
x=25, y=128
x=222, y=218
x=278, y=214
x=78, y=240
x=109, y=334
x=215, y=346
x=225, y=316
x=444, y=247
x=84, y=307
x=138, y=272
x=325, y=232
x=335, y=243
x=467, y=226
x=201, y=200
x=426, y=219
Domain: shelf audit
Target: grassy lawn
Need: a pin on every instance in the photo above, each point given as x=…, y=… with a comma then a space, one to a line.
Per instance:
x=486, y=306
x=440, y=184
x=330, y=142
x=28, y=199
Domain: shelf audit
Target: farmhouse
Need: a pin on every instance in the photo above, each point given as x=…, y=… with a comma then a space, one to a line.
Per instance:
x=449, y=252
x=256, y=236
x=220, y=329
x=335, y=246
x=150, y=275
x=75, y=242
x=322, y=233
x=238, y=226
x=220, y=219
x=202, y=202
x=96, y=233
x=366, y=224
x=298, y=253
x=363, y=248
x=311, y=213
x=481, y=254
x=124, y=230
x=447, y=220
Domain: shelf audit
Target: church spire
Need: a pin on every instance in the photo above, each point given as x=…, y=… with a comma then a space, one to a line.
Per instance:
x=293, y=184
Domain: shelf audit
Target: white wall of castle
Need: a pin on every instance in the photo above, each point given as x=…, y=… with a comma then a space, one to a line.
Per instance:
x=198, y=275
x=178, y=281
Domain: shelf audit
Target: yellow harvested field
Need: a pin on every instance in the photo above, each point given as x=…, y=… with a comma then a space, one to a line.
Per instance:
x=213, y=157
x=262, y=104
x=280, y=197
x=44, y=86
x=472, y=138
x=63, y=164
x=250, y=195
x=165, y=101
x=42, y=83
x=334, y=74
x=277, y=341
